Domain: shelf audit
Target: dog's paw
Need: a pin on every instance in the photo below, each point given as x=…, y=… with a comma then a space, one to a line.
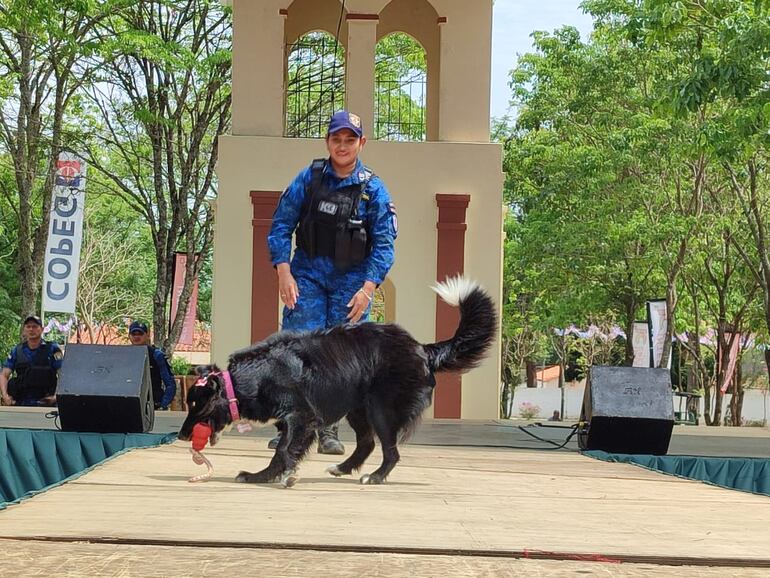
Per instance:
x=336, y=471
x=288, y=479
x=244, y=477
x=371, y=479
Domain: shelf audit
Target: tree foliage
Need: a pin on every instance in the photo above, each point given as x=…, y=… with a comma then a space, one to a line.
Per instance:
x=636, y=169
x=162, y=102
x=116, y=275
x=47, y=52
x=400, y=72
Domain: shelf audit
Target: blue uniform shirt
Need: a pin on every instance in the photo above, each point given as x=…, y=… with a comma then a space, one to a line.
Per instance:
x=379, y=212
x=54, y=355
x=165, y=375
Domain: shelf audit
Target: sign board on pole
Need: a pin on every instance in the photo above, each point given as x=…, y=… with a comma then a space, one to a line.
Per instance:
x=65, y=235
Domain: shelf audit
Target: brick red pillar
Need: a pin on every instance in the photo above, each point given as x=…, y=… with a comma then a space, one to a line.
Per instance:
x=450, y=259
x=264, y=281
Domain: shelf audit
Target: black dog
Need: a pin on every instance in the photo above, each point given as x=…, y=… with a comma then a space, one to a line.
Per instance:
x=377, y=376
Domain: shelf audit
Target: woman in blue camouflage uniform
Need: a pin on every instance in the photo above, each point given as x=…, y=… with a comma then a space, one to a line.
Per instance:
x=346, y=226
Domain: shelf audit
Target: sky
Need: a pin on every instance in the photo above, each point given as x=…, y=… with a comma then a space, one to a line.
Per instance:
x=513, y=22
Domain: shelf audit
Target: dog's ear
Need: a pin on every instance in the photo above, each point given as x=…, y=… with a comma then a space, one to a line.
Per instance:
x=205, y=370
x=214, y=380
x=210, y=375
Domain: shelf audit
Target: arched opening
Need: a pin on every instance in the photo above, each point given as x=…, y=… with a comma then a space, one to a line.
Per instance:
x=400, y=77
x=315, y=84
x=419, y=19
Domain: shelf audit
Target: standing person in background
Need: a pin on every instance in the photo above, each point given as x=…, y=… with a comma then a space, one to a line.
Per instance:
x=345, y=224
x=36, y=363
x=163, y=384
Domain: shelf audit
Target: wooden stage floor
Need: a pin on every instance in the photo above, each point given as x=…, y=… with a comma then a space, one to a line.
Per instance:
x=445, y=511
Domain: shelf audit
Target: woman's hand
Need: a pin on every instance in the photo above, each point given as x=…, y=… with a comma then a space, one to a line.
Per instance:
x=287, y=286
x=360, y=301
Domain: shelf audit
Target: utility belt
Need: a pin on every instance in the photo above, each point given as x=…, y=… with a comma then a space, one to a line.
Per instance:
x=330, y=225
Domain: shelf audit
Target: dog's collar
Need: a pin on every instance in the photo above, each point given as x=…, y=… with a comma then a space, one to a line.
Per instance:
x=232, y=402
x=231, y=399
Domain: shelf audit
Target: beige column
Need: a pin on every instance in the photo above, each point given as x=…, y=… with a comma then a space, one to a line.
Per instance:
x=465, y=74
x=433, y=58
x=258, y=43
x=359, y=67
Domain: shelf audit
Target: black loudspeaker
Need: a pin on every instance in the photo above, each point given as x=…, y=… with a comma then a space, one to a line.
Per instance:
x=105, y=388
x=627, y=410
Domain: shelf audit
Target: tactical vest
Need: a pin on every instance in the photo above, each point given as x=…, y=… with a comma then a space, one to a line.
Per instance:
x=35, y=378
x=329, y=224
x=155, y=378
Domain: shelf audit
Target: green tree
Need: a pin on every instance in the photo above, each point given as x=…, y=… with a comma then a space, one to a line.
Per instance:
x=116, y=267
x=572, y=166
x=720, y=84
x=10, y=302
x=163, y=100
x=46, y=58
x=637, y=167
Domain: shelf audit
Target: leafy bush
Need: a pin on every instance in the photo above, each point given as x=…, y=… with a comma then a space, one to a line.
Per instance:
x=180, y=366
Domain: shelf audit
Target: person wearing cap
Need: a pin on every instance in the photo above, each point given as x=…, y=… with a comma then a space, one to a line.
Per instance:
x=36, y=363
x=163, y=384
x=345, y=226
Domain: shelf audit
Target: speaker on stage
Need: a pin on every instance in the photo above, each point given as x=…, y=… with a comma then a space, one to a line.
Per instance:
x=105, y=388
x=627, y=410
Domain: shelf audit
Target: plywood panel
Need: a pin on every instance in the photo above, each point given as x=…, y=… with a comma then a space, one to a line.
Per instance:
x=437, y=498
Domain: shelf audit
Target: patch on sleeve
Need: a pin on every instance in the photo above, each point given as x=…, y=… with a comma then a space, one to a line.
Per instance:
x=393, y=216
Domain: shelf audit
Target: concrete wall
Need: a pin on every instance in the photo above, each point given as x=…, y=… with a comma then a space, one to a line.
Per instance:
x=756, y=404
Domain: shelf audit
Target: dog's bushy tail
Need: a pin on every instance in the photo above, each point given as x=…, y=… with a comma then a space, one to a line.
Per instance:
x=475, y=333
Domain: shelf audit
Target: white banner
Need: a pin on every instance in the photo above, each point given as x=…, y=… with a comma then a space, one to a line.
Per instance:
x=641, y=343
x=658, y=319
x=65, y=234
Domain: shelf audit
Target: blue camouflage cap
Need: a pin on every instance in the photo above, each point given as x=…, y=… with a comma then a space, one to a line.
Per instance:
x=343, y=119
